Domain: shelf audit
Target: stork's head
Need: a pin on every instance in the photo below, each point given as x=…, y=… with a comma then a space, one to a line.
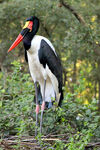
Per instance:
x=30, y=28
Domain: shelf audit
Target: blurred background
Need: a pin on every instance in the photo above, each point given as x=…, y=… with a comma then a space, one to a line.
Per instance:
x=74, y=29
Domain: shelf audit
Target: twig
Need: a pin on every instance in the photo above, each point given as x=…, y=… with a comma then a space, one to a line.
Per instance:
x=73, y=11
x=45, y=29
x=89, y=145
x=31, y=142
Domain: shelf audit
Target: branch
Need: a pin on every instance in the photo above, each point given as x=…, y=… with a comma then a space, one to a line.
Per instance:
x=31, y=142
x=91, y=145
x=79, y=18
x=73, y=11
x=45, y=29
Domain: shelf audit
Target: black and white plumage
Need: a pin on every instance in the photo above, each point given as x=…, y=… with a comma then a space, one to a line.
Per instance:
x=44, y=64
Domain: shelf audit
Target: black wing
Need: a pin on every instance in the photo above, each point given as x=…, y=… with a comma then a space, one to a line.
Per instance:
x=48, y=56
x=26, y=57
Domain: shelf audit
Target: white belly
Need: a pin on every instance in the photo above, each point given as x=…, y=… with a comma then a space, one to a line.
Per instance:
x=39, y=73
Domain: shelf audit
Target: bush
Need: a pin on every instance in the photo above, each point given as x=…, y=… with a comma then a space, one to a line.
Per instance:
x=79, y=122
x=16, y=106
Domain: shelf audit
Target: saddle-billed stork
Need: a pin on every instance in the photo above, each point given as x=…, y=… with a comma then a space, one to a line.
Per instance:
x=44, y=65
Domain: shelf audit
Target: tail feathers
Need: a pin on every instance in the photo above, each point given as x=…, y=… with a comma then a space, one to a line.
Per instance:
x=61, y=98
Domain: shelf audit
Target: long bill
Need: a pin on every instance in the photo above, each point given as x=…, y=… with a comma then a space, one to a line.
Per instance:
x=19, y=39
x=16, y=42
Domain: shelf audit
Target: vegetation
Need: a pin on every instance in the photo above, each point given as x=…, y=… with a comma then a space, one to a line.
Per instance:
x=74, y=29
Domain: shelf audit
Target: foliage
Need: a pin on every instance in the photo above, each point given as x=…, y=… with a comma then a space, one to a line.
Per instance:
x=78, y=44
x=17, y=116
x=17, y=102
x=79, y=49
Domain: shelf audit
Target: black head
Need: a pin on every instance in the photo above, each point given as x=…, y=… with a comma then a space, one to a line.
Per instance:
x=29, y=30
x=31, y=26
x=32, y=18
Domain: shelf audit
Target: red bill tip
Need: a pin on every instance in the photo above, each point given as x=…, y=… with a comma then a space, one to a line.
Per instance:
x=17, y=41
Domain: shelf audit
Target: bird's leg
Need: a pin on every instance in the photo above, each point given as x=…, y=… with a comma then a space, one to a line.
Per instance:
x=42, y=107
x=37, y=108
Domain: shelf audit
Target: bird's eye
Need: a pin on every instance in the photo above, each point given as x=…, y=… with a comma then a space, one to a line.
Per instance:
x=29, y=25
x=26, y=25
